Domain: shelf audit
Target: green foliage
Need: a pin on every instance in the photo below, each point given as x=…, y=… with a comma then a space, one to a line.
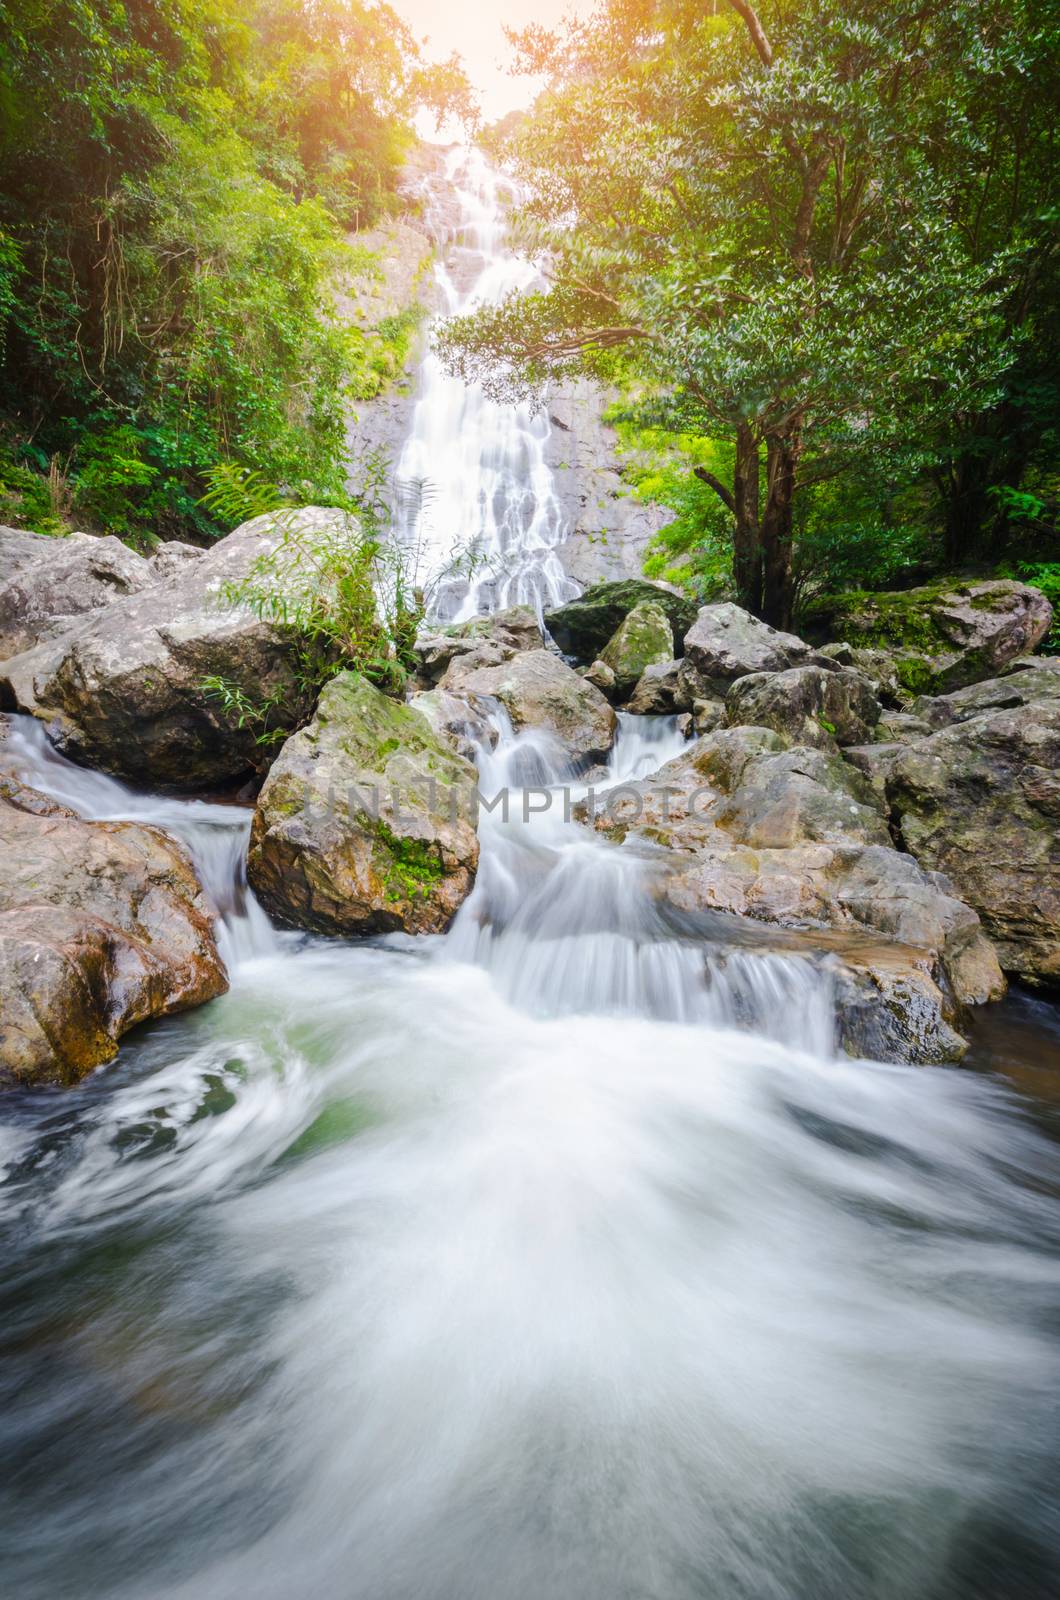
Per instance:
x=344, y=593
x=174, y=179
x=826, y=244
x=236, y=494
x=243, y=712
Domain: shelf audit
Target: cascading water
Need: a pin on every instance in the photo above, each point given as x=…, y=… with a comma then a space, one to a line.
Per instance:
x=476, y=503
x=555, y=1259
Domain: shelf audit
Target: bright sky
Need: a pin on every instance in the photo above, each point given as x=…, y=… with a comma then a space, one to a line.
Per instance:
x=475, y=30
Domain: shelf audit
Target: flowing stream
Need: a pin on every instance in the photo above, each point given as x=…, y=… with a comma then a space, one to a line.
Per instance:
x=559, y=1258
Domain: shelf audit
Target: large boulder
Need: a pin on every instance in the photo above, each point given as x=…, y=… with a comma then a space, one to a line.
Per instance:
x=463, y=720
x=102, y=925
x=1026, y=681
x=538, y=690
x=127, y=688
x=980, y=801
x=483, y=641
x=47, y=582
x=815, y=706
x=944, y=635
x=725, y=643
x=366, y=822
x=797, y=838
x=644, y=638
x=582, y=627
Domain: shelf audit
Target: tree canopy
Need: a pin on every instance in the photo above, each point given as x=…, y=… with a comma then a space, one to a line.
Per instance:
x=817, y=233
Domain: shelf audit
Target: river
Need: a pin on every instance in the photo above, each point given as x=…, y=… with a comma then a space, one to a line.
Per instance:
x=559, y=1258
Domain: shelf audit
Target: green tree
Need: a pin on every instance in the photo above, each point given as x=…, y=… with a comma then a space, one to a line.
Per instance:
x=776, y=253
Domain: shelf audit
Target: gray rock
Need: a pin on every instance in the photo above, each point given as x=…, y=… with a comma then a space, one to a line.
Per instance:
x=364, y=822
x=1026, y=681
x=601, y=676
x=814, y=706
x=102, y=925
x=582, y=627
x=538, y=690
x=644, y=638
x=796, y=837
x=124, y=688
x=173, y=555
x=943, y=635
x=725, y=643
x=980, y=801
x=483, y=641
x=462, y=719
x=56, y=580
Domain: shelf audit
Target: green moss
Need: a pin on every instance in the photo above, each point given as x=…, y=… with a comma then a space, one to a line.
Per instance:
x=411, y=867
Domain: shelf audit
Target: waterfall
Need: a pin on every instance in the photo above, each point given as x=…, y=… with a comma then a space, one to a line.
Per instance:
x=557, y=1258
x=476, y=503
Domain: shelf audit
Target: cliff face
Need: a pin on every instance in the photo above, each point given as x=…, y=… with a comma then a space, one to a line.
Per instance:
x=605, y=529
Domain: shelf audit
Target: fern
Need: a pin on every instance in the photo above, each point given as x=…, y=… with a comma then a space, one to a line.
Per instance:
x=236, y=494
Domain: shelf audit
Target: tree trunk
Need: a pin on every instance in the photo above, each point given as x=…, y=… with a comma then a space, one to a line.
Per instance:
x=782, y=459
x=747, y=549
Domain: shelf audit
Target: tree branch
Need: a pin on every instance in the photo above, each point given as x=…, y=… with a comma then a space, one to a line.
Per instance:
x=716, y=484
x=755, y=29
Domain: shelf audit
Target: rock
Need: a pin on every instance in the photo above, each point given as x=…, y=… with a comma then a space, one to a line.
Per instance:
x=483, y=641
x=1030, y=679
x=659, y=691
x=725, y=643
x=901, y=727
x=125, y=687
x=875, y=665
x=889, y=1007
x=538, y=690
x=582, y=627
x=464, y=720
x=980, y=801
x=944, y=635
x=363, y=824
x=797, y=838
x=707, y=716
x=600, y=675
x=47, y=584
x=815, y=706
x=102, y=925
x=644, y=638
x=172, y=555
x=876, y=762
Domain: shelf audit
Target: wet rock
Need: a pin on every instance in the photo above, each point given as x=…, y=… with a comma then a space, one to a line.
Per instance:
x=725, y=643
x=944, y=635
x=814, y=706
x=481, y=642
x=798, y=838
x=644, y=638
x=890, y=1008
x=363, y=824
x=538, y=690
x=47, y=583
x=462, y=719
x=102, y=925
x=980, y=801
x=125, y=688
x=582, y=627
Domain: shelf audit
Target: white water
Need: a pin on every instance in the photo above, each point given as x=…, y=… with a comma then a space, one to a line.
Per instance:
x=557, y=1259
x=472, y=484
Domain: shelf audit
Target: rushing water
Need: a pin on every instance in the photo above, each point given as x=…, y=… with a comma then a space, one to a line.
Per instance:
x=473, y=487
x=556, y=1259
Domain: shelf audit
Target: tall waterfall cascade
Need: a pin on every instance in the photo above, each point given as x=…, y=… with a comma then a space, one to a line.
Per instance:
x=557, y=1258
x=476, y=505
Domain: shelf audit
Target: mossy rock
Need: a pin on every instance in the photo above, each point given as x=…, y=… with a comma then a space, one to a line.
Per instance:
x=643, y=639
x=583, y=627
